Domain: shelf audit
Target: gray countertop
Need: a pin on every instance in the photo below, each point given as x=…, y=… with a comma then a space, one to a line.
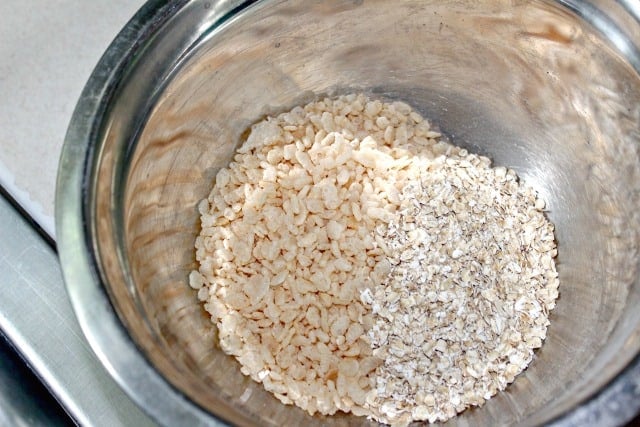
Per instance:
x=48, y=51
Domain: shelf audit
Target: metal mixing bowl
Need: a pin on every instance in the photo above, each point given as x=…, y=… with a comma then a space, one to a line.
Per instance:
x=549, y=88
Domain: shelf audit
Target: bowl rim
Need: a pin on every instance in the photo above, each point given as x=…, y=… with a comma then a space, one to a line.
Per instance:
x=103, y=328
x=100, y=324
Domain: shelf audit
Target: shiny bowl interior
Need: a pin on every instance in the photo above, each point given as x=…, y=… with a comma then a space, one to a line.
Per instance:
x=548, y=88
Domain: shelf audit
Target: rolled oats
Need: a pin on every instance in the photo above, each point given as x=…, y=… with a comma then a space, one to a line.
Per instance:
x=352, y=261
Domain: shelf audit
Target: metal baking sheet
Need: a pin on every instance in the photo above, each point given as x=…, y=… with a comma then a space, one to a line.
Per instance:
x=36, y=316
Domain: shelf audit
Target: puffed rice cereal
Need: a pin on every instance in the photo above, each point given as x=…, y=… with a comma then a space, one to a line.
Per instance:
x=352, y=260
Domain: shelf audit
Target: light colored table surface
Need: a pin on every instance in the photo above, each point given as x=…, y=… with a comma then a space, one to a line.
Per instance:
x=47, y=52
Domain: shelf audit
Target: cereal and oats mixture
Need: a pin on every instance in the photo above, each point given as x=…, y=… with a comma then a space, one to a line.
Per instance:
x=352, y=260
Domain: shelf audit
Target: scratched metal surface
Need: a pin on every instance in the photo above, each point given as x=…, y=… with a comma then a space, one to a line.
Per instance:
x=35, y=314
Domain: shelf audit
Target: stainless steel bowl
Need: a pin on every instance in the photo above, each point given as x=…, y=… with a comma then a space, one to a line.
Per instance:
x=549, y=88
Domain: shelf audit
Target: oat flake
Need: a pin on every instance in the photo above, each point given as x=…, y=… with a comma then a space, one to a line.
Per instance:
x=353, y=261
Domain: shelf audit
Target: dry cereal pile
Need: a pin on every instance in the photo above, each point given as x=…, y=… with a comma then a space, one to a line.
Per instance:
x=353, y=261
